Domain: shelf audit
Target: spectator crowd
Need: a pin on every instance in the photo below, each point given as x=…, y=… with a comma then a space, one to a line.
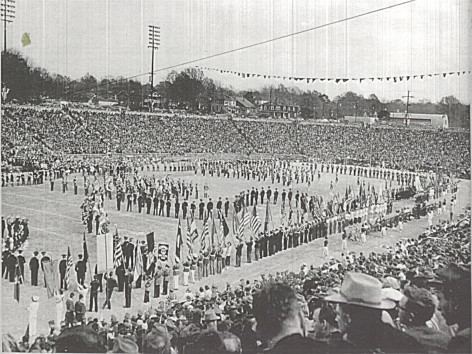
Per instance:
x=33, y=135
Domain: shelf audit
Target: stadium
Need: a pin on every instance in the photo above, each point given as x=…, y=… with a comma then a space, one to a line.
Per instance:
x=226, y=207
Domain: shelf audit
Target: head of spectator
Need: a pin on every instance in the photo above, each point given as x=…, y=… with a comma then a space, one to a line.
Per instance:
x=212, y=342
x=280, y=320
x=157, y=340
x=80, y=340
x=416, y=306
x=453, y=283
x=124, y=345
x=211, y=320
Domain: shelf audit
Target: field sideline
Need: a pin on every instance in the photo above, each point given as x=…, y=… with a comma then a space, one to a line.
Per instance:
x=55, y=223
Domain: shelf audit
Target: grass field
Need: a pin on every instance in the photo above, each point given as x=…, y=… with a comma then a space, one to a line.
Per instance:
x=54, y=219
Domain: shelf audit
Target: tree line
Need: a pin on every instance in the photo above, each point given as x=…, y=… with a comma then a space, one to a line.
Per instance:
x=191, y=89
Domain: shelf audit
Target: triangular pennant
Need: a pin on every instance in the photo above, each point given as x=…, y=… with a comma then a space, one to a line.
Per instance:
x=444, y=74
x=345, y=80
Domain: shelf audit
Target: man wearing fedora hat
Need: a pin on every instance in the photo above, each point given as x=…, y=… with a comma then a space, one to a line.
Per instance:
x=211, y=320
x=360, y=305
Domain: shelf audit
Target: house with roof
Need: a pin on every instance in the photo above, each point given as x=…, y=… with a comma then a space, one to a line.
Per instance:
x=245, y=106
x=223, y=103
x=278, y=109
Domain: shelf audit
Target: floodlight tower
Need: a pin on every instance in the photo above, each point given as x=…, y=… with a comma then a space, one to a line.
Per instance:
x=7, y=16
x=154, y=41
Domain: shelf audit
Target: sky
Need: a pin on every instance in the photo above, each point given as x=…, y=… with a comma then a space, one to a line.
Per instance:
x=109, y=38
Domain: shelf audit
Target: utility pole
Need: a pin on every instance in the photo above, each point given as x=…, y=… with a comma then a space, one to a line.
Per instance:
x=8, y=15
x=407, y=106
x=154, y=41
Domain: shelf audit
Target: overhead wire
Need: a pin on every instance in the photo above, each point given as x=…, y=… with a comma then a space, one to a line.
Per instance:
x=192, y=61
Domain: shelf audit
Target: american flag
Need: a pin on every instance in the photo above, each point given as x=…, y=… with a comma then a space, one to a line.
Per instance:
x=70, y=264
x=205, y=235
x=118, y=251
x=138, y=261
x=245, y=219
x=236, y=225
x=255, y=222
x=189, y=240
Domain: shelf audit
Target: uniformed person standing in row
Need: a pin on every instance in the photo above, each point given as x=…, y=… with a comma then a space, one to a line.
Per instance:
x=34, y=268
x=62, y=271
x=128, y=286
x=81, y=268
x=21, y=265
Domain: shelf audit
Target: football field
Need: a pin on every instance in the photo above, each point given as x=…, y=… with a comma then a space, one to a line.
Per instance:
x=55, y=223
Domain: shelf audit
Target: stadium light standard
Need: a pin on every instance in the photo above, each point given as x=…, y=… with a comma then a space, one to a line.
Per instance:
x=154, y=41
x=8, y=15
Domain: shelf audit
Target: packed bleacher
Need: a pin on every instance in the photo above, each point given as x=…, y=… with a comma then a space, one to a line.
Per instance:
x=31, y=135
x=413, y=297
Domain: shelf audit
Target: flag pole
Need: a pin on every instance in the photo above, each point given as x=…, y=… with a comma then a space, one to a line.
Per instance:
x=88, y=263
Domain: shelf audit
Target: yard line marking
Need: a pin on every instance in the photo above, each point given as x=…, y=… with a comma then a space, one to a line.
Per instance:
x=45, y=231
x=40, y=211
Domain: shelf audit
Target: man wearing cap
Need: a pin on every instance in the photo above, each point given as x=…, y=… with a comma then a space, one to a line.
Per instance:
x=44, y=258
x=34, y=267
x=109, y=286
x=21, y=265
x=165, y=279
x=94, y=285
x=70, y=308
x=62, y=271
x=80, y=269
x=157, y=281
x=128, y=286
x=360, y=305
x=80, y=309
x=12, y=262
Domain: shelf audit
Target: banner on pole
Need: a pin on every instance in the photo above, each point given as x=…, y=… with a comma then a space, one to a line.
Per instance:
x=163, y=252
x=105, y=253
x=50, y=277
